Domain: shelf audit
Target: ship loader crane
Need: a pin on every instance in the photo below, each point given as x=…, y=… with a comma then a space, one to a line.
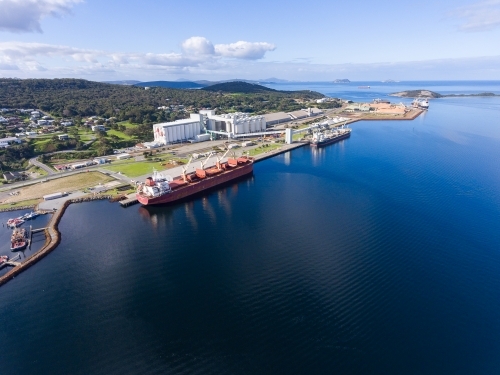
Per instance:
x=184, y=169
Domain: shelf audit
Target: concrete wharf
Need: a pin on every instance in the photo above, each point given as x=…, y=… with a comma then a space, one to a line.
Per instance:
x=129, y=201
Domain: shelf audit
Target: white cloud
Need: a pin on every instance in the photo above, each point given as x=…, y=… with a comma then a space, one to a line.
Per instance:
x=244, y=50
x=21, y=16
x=197, y=52
x=28, y=51
x=198, y=45
x=482, y=16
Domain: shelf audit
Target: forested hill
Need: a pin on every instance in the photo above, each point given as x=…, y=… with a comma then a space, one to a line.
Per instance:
x=171, y=84
x=241, y=87
x=77, y=97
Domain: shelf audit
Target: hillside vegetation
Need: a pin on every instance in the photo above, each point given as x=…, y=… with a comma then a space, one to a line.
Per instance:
x=241, y=87
x=80, y=98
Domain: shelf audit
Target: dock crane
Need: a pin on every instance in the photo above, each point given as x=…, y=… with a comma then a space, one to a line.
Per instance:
x=219, y=159
x=184, y=169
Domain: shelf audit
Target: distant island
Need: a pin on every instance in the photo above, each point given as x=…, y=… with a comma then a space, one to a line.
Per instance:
x=434, y=95
x=389, y=81
x=343, y=80
x=240, y=87
x=417, y=94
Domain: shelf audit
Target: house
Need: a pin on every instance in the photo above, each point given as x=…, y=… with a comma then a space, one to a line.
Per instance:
x=62, y=137
x=6, y=142
x=42, y=122
x=13, y=176
x=98, y=128
x=67, y=123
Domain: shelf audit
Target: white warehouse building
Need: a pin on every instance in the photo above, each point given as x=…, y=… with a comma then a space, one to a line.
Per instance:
x=179, y=130
x=236, y=123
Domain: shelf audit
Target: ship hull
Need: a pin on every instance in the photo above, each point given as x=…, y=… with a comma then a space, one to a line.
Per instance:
x=197, y=187
x=20, y=246
x=331, y=140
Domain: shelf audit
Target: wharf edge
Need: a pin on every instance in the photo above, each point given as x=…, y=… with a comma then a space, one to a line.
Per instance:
x=53, y=236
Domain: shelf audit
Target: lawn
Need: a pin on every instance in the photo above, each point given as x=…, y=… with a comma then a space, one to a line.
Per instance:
x=119, y=134
x=264, y=148
x=70, y=183
x=126, y=124
x=135, y=169
x=30, y=202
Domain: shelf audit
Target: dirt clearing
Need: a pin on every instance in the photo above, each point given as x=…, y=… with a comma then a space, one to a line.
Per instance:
x=70, y=183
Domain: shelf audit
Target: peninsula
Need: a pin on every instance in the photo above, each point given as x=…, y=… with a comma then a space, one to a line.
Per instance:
x=434, y=95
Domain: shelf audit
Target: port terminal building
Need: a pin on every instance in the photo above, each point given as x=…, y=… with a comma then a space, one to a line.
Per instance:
x=179, y=130
x=234, y=123
x=201, y=126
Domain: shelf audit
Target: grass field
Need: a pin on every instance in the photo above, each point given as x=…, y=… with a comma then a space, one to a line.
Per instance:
x=70, y=183
x=264, y=148
x=30, y=202
x=119, y=134
x=135, y=169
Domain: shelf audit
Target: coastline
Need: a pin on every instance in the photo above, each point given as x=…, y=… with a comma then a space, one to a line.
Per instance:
x=53, y=236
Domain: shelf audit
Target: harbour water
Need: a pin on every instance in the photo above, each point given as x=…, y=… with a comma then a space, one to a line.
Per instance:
x=376, y=255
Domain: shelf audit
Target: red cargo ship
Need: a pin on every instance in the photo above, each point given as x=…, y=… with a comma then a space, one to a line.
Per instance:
x=161, y=189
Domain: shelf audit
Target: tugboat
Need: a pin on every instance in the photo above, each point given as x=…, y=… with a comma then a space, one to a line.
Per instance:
x=14, y=223
x=18, y=240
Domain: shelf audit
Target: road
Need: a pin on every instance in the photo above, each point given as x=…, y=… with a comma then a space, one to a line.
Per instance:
x=46, y=168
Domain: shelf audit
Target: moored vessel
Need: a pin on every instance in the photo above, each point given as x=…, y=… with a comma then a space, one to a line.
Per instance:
x=3, y=259
x=18, y=240
x=14, y=223
x=422, y=103
x=161, y=189
x=328, y=137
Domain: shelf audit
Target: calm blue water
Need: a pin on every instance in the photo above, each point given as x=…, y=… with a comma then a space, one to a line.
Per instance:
x=383, y=89
x=376, y=255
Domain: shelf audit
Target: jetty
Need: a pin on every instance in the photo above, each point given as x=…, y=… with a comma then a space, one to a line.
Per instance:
x=129, y=200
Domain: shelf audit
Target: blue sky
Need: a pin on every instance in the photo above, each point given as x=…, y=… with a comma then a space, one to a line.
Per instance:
x=322, y=40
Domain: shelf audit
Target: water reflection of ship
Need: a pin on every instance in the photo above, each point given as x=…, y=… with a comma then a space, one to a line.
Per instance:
x=155, y=216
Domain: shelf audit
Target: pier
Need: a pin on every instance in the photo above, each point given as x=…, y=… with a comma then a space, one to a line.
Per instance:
x=129, y=200
x=12, y=262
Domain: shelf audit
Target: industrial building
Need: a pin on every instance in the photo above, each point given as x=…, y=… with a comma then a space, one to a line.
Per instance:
x=235, y=123
x=276, y=118
x=179, y=130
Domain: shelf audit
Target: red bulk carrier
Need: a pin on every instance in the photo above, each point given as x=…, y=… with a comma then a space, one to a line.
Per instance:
x=161, y=189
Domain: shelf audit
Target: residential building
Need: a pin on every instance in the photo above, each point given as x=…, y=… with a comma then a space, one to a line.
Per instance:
x=99, y=128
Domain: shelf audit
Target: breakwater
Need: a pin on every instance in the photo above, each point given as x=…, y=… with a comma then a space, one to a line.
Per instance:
x=52, y=237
